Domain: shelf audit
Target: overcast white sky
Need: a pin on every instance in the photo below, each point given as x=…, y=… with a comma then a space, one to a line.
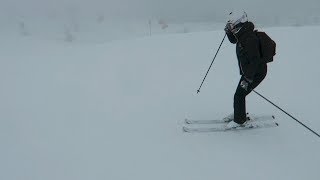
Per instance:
x=167, y=9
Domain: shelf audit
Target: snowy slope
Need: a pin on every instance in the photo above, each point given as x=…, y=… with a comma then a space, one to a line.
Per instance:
x=115, y=110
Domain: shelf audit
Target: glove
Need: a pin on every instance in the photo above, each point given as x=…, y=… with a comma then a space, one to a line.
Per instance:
x=228, y=28
x=245, y=84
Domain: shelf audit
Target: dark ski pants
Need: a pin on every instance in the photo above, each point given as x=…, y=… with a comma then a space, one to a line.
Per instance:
x=239, y=102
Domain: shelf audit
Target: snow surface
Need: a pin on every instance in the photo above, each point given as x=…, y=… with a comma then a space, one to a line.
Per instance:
x=80, y=111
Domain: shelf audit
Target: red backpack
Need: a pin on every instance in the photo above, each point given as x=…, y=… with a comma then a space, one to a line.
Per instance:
x=267, y=47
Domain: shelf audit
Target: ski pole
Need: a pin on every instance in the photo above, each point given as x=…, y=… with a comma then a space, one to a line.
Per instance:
x=287, y=114
x=211, y=63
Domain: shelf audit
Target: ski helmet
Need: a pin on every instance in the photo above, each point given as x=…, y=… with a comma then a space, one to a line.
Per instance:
x=236, y=20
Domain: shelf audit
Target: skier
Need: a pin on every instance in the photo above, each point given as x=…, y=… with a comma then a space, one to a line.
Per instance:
x=240, y=31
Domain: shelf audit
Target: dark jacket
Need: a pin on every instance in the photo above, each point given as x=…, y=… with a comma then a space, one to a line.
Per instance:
x=247, y=49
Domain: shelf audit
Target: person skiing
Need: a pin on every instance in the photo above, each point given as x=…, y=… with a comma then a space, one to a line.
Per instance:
x=253, y=70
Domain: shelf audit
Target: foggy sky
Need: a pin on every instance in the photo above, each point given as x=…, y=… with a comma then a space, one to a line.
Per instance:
x=168, y=9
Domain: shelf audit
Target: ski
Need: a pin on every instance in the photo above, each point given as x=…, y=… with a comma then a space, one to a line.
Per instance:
x=220, y=121
x=222, y=128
